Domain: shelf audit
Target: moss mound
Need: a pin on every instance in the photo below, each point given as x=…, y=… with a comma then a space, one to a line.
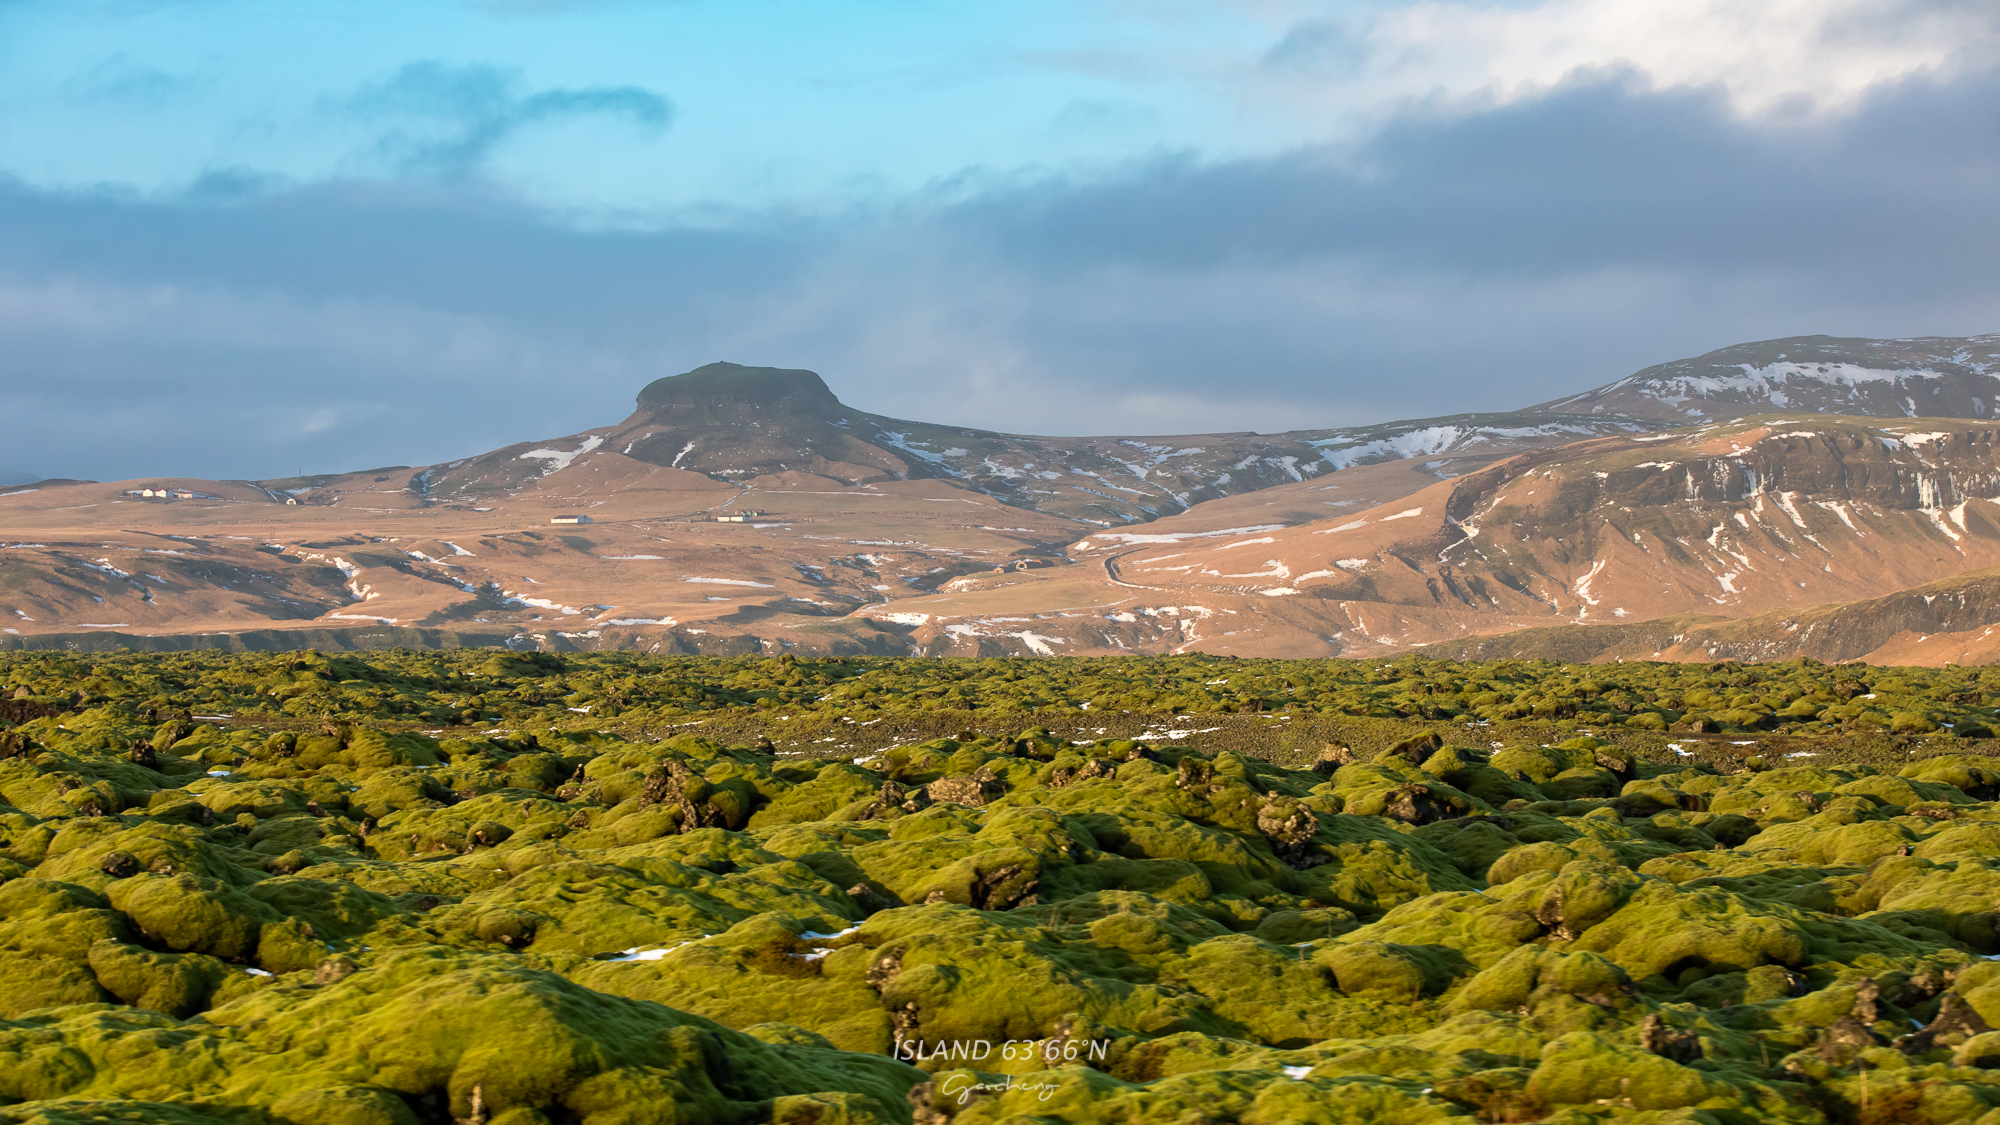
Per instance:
x=339, y=922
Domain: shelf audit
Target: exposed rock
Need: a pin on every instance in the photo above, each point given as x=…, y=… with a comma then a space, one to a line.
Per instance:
x=1417, y=803
x=972, y=790
x=1415, y=748
x=1290, y=826
x=1655, y=1037
x=1955, y=1023
x=1331, y=757
x=1845, y=1038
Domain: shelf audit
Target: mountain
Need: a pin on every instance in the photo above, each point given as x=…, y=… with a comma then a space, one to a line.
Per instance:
x=1952, y=621
x=736, y=424
x=1754, y=517
x=1610, y=525
x=1930, y=377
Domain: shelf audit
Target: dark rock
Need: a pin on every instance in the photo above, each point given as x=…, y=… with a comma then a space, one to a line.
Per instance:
x=1065, y=776
x=1003, y=888
x=1616, y=761
x=1415, y=803
x=1290, y=827
x=1194, y=773
x=1659, y=1039
x=1416, y=748
x=174, y=730
x=893, y=797
x=120, y=865
x=868, y=899
x=1955, y=1023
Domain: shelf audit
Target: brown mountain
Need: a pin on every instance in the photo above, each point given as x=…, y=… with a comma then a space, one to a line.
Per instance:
x=736, y=424
x=1539, y=532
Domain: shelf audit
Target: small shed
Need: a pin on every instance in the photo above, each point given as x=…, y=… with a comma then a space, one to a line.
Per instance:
x=572, y=519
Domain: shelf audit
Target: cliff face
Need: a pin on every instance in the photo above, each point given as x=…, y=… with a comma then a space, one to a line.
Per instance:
x=1954, y=621
x=1753, y=518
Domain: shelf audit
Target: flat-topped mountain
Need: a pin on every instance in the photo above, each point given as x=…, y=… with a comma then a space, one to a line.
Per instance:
x=734, y=424
x=742, y=509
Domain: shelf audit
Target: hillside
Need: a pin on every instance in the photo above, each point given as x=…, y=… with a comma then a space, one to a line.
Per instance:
x=737, y=425
x=1753, y=517
x=856, y=532
x=1929, y=377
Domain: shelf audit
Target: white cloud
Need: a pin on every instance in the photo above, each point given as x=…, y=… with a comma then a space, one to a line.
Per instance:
x=1770, y=57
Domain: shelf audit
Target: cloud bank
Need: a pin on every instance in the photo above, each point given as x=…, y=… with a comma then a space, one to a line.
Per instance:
x=1595, y=196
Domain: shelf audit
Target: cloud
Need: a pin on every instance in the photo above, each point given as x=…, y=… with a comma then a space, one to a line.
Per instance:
x=1773, y=58
x=123, y=380
x=434, y=118
x=1457, y=261
x=1596, y=175
x=125, y=83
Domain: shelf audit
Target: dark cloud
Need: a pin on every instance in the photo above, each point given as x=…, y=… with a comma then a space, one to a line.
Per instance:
x=436, y=118
x=1597, y=175
x=1454, y=262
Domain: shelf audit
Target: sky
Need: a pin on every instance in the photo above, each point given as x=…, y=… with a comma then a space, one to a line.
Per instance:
x=249, y=238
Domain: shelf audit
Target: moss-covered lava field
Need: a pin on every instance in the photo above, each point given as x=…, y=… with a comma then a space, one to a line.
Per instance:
x=416, y=888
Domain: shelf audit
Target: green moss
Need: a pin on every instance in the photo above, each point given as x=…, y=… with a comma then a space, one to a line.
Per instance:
x=351, y=921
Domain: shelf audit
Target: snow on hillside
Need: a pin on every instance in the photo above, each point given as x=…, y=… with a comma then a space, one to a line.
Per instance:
x=558, y=459
x=1926, y=377
x=1344, y=450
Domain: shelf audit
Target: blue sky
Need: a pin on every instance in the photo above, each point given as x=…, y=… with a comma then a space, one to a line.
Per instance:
x=672, y=107
x=368, y=233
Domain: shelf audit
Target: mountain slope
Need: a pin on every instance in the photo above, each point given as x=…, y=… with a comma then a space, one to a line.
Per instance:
x=1952, y=621
x=861, y=532
x=1931, y=377
x=737, y=424
x=1736, y=520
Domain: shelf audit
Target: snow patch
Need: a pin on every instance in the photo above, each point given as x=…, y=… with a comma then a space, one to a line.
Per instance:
x=559, y=460
x=1177, y=536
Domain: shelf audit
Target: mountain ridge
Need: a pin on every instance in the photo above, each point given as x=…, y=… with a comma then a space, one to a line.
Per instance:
x=733, y=423
x=1924, y=376
x=857, y=532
